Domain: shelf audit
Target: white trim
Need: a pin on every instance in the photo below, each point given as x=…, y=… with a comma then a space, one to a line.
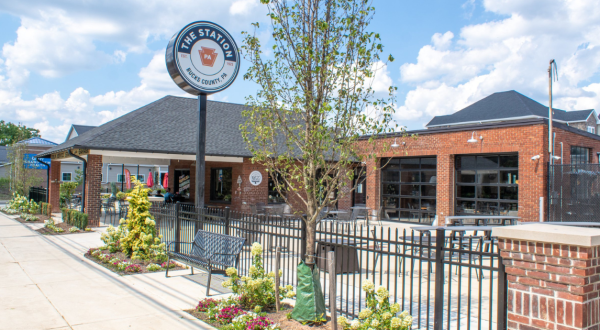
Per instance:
x=150, y=155
x=62, y=176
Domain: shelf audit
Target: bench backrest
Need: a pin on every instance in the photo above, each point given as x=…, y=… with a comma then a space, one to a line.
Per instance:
x=207, y=245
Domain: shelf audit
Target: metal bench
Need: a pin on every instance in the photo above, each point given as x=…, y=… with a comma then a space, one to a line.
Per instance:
x=211, y=252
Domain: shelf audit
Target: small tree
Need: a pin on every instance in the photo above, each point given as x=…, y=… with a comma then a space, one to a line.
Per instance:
x=21, y=178
x=11, y=133
x=316, y=102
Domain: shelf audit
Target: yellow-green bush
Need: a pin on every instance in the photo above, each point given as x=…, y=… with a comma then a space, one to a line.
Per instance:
x=141, y=241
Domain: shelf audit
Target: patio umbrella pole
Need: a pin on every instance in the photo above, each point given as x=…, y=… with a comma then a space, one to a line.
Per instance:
x=201, y=151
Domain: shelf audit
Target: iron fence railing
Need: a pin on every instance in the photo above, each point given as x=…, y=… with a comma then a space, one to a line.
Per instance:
x=443, y=278
x=38, y=194
x=574, y=193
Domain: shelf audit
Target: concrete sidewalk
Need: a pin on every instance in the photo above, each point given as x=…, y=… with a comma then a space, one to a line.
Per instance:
x=46, y=283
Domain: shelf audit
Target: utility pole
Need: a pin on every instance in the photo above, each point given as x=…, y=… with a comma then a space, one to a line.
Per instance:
x=552, y=72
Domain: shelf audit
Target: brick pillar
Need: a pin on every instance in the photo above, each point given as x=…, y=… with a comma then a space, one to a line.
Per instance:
x=552, y=273
x=373, y=184
x=54, y=189
x=93, y=182
x=445, y=187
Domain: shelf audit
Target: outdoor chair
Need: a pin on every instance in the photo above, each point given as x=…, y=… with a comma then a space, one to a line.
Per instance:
x=211, y=252
x=376, y=216
x=108, y=206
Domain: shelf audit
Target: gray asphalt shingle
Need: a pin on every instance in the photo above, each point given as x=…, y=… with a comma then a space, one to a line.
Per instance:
x=168, y=125
x=505, y=105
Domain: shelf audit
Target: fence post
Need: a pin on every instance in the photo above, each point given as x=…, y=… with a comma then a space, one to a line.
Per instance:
x=177, y=226
x=277, y=279
x=302, y=239
x=502, y=293
x=226, y=214
x=332, y=288
x=438, y=310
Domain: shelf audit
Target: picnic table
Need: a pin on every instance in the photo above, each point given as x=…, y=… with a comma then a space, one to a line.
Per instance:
x=460, y=219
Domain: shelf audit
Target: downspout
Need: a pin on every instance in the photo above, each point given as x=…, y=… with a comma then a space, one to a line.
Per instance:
x=84, y=178
x=47, y=178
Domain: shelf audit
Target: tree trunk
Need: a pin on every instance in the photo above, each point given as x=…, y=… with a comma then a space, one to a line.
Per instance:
x=311, y=236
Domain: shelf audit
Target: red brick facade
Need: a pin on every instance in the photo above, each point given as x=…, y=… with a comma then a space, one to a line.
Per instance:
x=54, y=191
x=93, y=182
x=527, y=141
x=551, y=286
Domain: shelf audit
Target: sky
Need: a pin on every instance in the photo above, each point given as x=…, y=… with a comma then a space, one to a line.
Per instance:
x=85, y=62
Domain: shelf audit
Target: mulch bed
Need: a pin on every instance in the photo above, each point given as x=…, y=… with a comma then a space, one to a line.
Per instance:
x=280, y=318
x=41, y=217
x=124, y=257
x=64, y=226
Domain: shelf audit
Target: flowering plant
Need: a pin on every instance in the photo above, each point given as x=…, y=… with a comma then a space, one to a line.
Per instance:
x=112, y=237
x=258, y=289
x=153, y=267
x=253, y=321
x=227, y=314
x=171, y=264
x=73, y=229
x=206, y=303
x=379, y=314
x=133, y=268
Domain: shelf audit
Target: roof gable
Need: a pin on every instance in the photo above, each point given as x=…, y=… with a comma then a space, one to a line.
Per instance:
x=501, y=106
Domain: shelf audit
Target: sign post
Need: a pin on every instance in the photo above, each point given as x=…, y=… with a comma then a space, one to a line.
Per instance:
x=202, y=59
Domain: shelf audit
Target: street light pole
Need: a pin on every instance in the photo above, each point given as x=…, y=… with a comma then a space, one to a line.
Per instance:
x=201, y=151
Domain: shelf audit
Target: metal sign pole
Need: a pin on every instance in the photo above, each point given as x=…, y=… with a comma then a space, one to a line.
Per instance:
x=201, y=151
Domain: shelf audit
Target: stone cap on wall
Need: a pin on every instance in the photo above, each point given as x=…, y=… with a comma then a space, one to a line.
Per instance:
x=548, y=233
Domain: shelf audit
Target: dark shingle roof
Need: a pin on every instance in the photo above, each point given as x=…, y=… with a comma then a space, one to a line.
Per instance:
x=505, y=106
x=38, y=141
x=168, y=125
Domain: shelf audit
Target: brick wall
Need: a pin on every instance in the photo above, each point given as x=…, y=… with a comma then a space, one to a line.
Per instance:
x=54, y=191
x=527, y=141
x=551, y=286
x=92, y=189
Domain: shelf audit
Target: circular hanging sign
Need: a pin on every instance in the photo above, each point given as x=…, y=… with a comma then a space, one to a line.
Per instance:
x=255, y=178
x=203, y=58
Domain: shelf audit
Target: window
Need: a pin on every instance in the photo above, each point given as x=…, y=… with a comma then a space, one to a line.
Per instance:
x=220, y=184
x=66, y=176
x=274, y=195
x=408, y=188
x=580, y=155
x=487, y=184
x=120, y=178
x=141, y=177
x=591, y=129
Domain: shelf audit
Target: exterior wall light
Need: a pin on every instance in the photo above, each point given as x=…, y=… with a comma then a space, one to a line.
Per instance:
x=536, y=157
x=395, y=145
x=473, y=139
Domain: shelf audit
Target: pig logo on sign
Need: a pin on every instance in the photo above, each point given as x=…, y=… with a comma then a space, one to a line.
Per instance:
x=255, y=178
x=208, y=56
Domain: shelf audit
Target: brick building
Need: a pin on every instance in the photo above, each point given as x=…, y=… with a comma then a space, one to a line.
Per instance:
x=489, y=158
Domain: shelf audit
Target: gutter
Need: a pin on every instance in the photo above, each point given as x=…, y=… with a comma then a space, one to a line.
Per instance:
x=47, y=177
x=84, y=179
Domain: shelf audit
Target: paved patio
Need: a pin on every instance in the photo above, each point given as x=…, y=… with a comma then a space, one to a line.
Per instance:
x=46, y=283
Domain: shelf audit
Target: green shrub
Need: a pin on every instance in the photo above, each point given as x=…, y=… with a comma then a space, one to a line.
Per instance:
x=75, y=218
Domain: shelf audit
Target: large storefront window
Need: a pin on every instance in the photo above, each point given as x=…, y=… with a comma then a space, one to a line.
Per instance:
x=487, y=184
x=220, y=184
x=408, y=188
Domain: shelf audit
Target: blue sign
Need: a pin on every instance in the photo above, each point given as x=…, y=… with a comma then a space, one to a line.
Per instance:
x=29, y=161
x=203, y=58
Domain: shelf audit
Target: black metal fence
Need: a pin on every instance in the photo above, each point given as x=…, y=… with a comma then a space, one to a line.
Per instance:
x=574, y=192
x=38, y=194
x=444, y=279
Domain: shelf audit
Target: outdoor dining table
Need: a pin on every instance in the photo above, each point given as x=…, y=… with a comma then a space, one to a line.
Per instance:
x=575, y=224
x=333, y=214
x=346, y=255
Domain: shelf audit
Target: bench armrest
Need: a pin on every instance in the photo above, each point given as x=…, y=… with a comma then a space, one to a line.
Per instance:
x=226, y=254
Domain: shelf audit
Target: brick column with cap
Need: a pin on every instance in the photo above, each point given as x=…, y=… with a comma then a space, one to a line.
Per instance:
x=553, y=276
x=54, y=189
x=93, y=183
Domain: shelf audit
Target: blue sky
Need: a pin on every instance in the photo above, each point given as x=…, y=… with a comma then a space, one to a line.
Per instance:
x=78, y=62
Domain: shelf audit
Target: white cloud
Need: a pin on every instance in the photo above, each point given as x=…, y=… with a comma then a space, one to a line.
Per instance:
x=242, y=7
x=509, y=54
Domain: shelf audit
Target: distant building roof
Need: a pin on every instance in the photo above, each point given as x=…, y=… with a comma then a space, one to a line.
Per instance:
x=77, y=130
x=3, y=155
x=168, y=125
x=505, y=106
x=38, y=141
